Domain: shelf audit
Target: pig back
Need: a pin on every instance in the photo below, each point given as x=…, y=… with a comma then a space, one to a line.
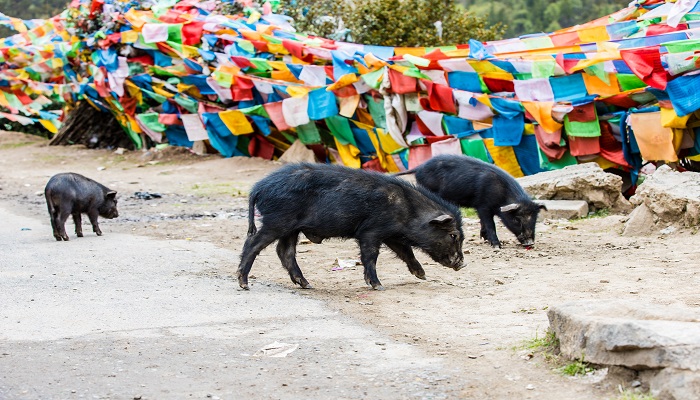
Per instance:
x=78, y=190
x=337, y=201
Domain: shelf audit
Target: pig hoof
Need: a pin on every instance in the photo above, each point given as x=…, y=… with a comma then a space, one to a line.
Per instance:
x=378, y=287
x=99, y=233
x=66, y=238
x=58, y=238
x=420, y=276
x=306, y=286
x=79, y=234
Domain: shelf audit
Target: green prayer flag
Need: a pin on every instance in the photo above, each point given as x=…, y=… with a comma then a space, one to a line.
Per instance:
x=150, y=120
x=188, y=104
x=376, y=110
x=155, y=96
x=629, y=82
x=582, y=129
x=373, y=78
x=598, y=71
x=415, y=73
x=308, y=133
x=475, y=148
x=255, y=110
x=340, y=129
x=175, y=33
x=566, y=160
x=543, y=69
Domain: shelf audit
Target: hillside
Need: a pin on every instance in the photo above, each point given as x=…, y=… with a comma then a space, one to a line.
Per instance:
x=532, y=16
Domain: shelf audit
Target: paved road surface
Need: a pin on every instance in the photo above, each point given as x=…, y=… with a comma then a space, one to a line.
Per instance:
x=123, y=317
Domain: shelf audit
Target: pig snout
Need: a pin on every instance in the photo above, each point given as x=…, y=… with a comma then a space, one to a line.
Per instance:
x=456, y=262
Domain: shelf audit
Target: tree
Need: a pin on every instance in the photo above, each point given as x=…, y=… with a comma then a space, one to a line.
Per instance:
x=406, y=23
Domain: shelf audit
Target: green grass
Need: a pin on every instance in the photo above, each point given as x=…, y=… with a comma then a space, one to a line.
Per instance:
x=6, y=146
x=603, y=212
x=548, y=343
x=628, y=394
x=469, y=213
x=577, y=367
x=224, y=188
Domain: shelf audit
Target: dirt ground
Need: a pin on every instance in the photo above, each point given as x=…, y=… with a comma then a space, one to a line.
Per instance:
x=477, y=319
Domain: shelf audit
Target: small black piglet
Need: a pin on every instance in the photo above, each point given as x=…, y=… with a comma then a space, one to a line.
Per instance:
x=470, y=182
x=73, y=194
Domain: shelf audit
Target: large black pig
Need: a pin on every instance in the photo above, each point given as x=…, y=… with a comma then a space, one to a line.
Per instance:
x=470, y=182
x=73, y=194
x=325, y=201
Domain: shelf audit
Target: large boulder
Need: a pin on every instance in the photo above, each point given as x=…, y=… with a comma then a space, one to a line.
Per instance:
x=666, y=198
x=663, y=342
x=586, y=182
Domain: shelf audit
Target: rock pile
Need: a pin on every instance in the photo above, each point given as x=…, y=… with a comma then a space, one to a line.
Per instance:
x=586, y=182
x=661, y=343
x=666, y=198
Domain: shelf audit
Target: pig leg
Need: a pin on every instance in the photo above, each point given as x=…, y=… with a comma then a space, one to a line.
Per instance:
x=254, y=244
x=93, y=214
x=369, y=251
x=78, y=224
x=488, y=228
x=53, y=214
x=61, y=223
x=405, y=254
x=286, y=251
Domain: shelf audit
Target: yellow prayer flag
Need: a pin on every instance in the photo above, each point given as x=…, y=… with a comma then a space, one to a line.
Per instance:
x=236, y=122
x=504, y=157
x=594, y=34
x=349, y=154
x=669, y=119
x=414, y=51
x=130, y=36
x=277, y=48
x=49, y=125
x=297, y=91
x=162, y=92
x=278, y=65
x=345, y=80
x=387, y=143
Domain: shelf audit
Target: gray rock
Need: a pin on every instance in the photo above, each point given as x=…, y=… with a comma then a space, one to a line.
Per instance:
x=669, y=198
x=662, y=341
x=567, y=209
x=586, y=182
x=641, y=222
x=671, y=383
x=298, y=152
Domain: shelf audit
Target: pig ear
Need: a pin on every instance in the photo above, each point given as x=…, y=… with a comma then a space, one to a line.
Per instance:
x=543, y=207
x=510, y=207
x=442, y=219
x=111, y=194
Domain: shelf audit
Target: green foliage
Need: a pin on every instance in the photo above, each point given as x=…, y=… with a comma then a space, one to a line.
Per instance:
x=408, y=23
x=548, y=343
x=532, y=16
x=31, y=9
x=634, y=395
x=577, y=367
x=469, y=213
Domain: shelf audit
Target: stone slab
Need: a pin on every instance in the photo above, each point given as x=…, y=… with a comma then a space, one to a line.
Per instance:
x=662, y=341
x=563, y=209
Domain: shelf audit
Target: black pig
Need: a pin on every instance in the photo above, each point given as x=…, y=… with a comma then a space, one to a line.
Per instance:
x=470, y=182
x=73, y=194
x=325, y=201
